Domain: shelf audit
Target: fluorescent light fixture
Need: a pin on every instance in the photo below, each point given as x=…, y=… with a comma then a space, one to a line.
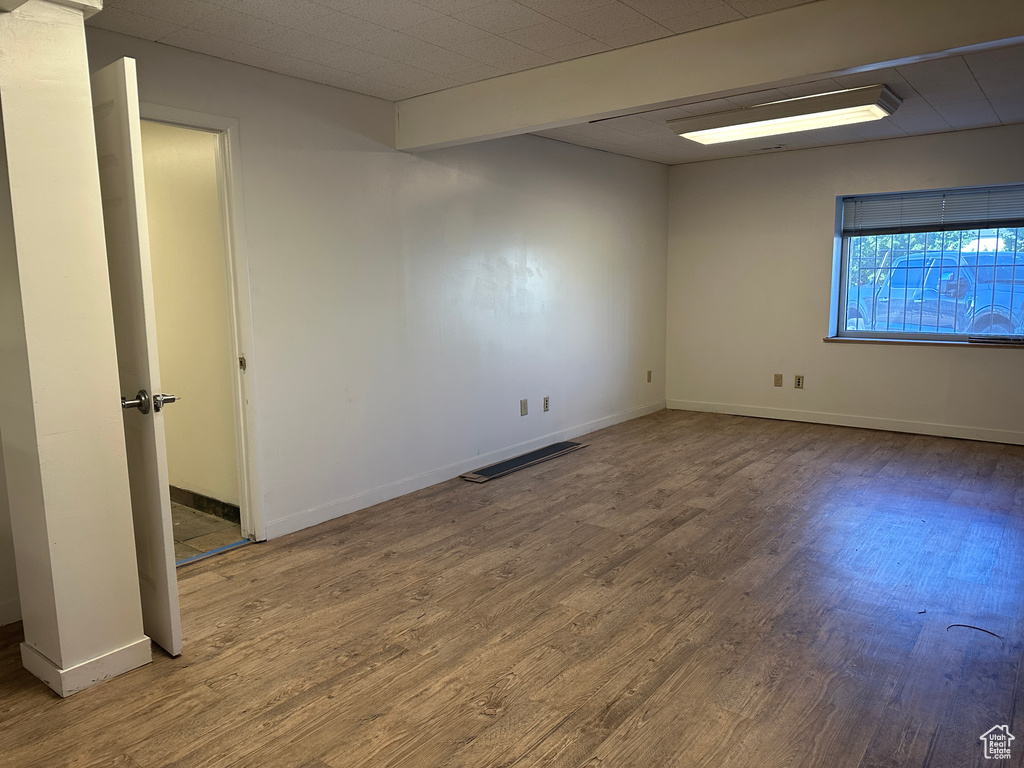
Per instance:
x=808, y=113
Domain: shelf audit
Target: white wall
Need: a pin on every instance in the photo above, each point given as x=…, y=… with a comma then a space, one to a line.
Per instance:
x=193, y=318
x=404, y=304
x=750, y=270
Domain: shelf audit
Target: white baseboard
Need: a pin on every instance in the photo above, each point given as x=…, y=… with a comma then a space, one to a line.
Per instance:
x=310, y=517
x=848, y=420
x=69, y=680
x=10, y=612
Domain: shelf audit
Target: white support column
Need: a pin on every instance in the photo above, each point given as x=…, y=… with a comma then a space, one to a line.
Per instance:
x=63, y=443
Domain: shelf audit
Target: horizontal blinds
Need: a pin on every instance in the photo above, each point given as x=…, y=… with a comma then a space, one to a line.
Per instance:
x=938, y=211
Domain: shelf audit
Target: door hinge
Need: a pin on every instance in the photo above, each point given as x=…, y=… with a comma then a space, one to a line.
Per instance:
x=241, y=362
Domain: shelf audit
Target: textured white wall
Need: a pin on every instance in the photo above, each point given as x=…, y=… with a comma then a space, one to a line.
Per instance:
x=750, y=269
x=193, y=320
x=403, y=304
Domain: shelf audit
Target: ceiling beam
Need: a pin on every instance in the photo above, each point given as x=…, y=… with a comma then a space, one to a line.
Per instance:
x=88, y=7
x=810, y=41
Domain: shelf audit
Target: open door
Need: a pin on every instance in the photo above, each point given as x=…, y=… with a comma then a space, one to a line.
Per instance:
x=119, y=143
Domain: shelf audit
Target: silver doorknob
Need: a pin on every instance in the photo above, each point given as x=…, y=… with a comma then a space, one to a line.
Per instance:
x=141, y=401
x=159, y=401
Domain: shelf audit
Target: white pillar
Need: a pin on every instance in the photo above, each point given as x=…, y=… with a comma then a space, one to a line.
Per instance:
x=10, y=607
x=63, y=443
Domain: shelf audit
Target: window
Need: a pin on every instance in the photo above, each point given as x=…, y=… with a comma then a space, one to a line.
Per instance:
x=937, y=265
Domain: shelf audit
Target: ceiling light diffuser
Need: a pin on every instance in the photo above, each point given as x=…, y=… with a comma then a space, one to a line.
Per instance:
x=807, y=113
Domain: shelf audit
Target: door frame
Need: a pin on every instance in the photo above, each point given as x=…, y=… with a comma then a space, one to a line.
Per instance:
x=229, y=178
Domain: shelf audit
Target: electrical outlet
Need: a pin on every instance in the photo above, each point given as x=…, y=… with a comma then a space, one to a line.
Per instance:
x=522, y=408
x=798, y=381
x=648, y=377
x=547, y=403
x=778, y=379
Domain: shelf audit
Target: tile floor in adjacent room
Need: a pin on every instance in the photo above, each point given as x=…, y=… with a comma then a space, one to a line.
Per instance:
x=198, y=532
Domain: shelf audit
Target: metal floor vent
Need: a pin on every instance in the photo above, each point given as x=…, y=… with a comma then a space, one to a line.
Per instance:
x=519, y=462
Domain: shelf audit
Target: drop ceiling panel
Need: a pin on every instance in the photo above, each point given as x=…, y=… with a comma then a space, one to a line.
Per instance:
x=396, y=49
x=435, y=36
x=705, y=17
x=501, y=17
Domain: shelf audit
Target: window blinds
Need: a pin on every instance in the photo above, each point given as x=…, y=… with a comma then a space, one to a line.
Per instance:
x=934, y=211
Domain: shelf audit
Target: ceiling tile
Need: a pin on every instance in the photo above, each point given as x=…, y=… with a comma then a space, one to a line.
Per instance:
x=300, y=45
x=502, y=53
x=237, y=26
x=410, y=77
x=307, y=70
x=649, y=30
x=755, y=7
x=181, y=12
x=708, y=17
x=559, y=9
x=997, y=64
x=543, y=37
x=1009, y=111
x=394, y=14
x=337, y=5
x=1002, y=89
x=478, y=73
x=943, y=81
x=810, y=89
x=452, y=6
x=342, y=28
x=130, y=23
x=447, y=32
x=577, y=50
x=710, y=106
x=877, y=129
x=501, y=17
x=396, y=46
x=373, y=87
x=606, y=20
x=756, y=97
x=637, y=126
x=965, y=115
x=670, y=113
x=659, y=10
x=348, y=59
x=915, y=115
x=999, y=72
x=870, y=77
x=558, y=133
x=212, y=45
x=395, y=49
x=286, y=65
x=291, y=14
x=443, y=62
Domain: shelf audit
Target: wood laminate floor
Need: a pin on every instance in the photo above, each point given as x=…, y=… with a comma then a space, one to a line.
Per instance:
x=690, y=590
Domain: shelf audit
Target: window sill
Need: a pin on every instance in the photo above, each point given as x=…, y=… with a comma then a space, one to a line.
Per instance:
x=920, y=342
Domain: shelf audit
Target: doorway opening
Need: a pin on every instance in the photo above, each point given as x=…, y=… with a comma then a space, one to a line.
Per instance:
x=201, y=353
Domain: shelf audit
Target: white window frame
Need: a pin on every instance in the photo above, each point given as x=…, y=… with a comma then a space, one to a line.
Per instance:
x=919, y=212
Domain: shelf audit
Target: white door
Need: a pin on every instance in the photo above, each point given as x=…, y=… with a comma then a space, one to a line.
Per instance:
x=119, y=143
